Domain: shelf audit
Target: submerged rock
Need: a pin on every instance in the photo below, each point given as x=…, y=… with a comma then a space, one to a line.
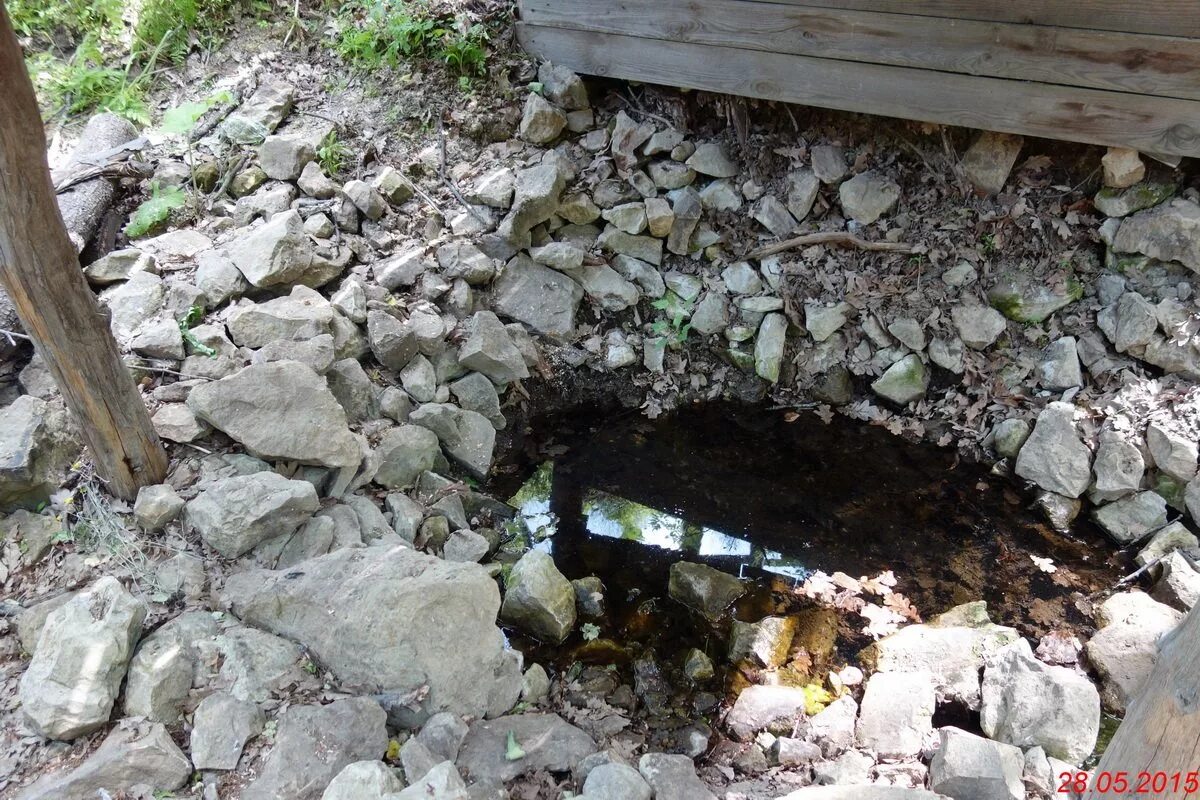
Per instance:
x=703, y=588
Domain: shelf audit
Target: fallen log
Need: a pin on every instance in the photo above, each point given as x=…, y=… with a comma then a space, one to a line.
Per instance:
x=84, y=204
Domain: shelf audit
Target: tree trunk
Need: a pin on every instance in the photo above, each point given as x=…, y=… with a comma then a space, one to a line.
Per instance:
x=1156, y=750
x=40, y=269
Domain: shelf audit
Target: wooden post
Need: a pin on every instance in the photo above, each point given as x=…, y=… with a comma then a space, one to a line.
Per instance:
x=40, y=270
x=1156, y=750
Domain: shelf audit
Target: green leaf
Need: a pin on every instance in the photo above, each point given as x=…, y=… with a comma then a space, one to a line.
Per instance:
x=661, y=304
x=180, y=120
x=590, y=631
x=513, y=751
x=155, y=211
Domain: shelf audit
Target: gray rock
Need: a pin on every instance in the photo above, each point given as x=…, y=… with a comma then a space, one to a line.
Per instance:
x=961, y=274
x=233, y=515
x=1115, y=202
x=616, y=782
x=1054, y=457
x=541, y=122
x=1022, y=297
x=158, y=338
x=788, y=752
x=1131, y=518
x=315, y=183
x=1178, y=584
x=803, y=186
x=548, y=743
x=1123, y=651
x=1059, y=368
x=1169, y=232
x=909, y=332
x=419, y=379
x=404, y=453
x=80, y=660
x=769, y=347
x=903, y=382
x=221, y=727
x=978, y=326
x=1173, y=453
x=861, y=793
x=281, y=410
x=774, y=216
x=164, y=668
x=721, y=196
x=440, y=630
x=278, y=252
x=175, y=422
x=393, y=342
x=474, y=392
x=461, y=259
x=465, y=546
x=823, y=321
x=833, y=728
x=156, y=505
x=133, y=755
x=711, y=159
x=1010, y=436
x=765, y=708
x=990, y=159
x=947, y=354
x=969, y=767
x=493, y=188
x=363, y=780
x=542, y=298
x=607, y=288
x=766, y=642
x=711, y=314
x=829, y=163
x=442, y=782
x=416, y=760
x=673, y=777
x=538, y=599
x=467, y=437
x=1027, y=703
x=365, y=198
x=536, y=193
x=489, y=349
x=1171, y=537
x=1135, y=322
x=37, y=445
x=954, y=655
x=628, y=217
x=670, y=175
x=402, y=269
x=643, y=248
x=315, y=743
x=32, y=534
x=703, y=588
x=133, y=303
x=118, y=266
x=896, y=713
x=303, y=314
x=443, y=735
x=868, y=196
x=1119, y=468
x=283, y=158
x=393, y=186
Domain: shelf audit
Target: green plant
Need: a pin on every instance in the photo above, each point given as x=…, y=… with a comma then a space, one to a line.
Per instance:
x=464, y=52
x=590, y=631
x=674, y=328
x=42, y=20
x=194, y=316
x=154, y=212
x=332, y=153
x=987, y=242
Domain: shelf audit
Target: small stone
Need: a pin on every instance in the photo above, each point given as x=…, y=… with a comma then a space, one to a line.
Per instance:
x=703, y=588
x=766, y=642
x=628, y=217
x=233, y=515
x=909, y=332
x=1123, y=651
x=868, y=196
x=315, y=183
x=541, y=122
x=283, y=158
x=960, y=275
x=711, y=159
x=489, y=349
x=1172, y=537
x=774, y=216
x=562, y=86
x=673, y=777
x=1119, y=468
x=538, y=599
x=221, y=727
x=1122, y=167
x=989, y=160
x=393, y=186
x=1023, y=298
x=156, y=506
x=1173, y=453
x=1130, y=518
x=697, y=666
x=1178, y=584
x=549, y=743
x=803, y=186
x=829, y=163
x=721, y=196
x=364, y=780
x=903, y=382
x=671, y=175
x=978, y=326
x=1010, y=435
x=542, y=298
x=365, y=198
x=947, y=354
x=970, y=766
x=824, y=321
x=770, y=708
x=769, y=347
x=1117, y=203
x=616, y=782
x=1059, y=368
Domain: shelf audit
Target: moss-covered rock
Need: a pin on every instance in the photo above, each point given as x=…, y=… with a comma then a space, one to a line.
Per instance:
x=1024, y=298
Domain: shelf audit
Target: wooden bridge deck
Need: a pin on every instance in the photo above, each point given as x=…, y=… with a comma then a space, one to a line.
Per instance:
x=1108, y=72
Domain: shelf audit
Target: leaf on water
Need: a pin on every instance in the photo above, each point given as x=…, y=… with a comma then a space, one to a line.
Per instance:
x=880, y=621
x=512, y=750
x=590, y=631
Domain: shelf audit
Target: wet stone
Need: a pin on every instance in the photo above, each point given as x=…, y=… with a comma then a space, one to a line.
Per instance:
x=703, y=588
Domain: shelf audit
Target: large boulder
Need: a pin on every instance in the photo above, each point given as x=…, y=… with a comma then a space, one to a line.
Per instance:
x=280, y=410
x=546, y=741
x=385, y=619
x=315, y=743
x=234, y=515
x=538, y=599
x=1054, y=457
x=82, y=653
x=37, y=445
x=133, y=755
x=1027, y=703
x=542, y=298
x=953, y=654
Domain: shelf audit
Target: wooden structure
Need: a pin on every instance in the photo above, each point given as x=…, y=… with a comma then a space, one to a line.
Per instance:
x=40, y=269
x=1108, y=72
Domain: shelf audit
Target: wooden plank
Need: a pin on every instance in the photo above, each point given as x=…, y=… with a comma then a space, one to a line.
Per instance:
x=1157, y=65
x=1151, y=124
x=40, y=270
x=1161, y=17
x=1161, y=730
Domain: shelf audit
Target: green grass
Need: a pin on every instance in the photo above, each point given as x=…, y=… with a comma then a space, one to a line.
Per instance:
x=332, y=154
x=371, y=34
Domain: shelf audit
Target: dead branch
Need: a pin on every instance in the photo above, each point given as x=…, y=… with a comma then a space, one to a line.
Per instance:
x=830, y=237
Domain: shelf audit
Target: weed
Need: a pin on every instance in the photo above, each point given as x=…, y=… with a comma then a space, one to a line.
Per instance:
x=152, y=214
x=987, y=242
x=195, y=315
x=43, y=20
x=673, y=327
x=332, y=154
x=464, y=52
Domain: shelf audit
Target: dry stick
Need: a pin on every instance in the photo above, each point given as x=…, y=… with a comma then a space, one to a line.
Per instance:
x=449, y=183
x=830, y=237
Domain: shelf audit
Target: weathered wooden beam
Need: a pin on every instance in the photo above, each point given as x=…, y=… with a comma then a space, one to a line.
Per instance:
x=1160, y=735
x=1165, y=66
x=1149, y=124
x=40, y=269
x=1163, y=17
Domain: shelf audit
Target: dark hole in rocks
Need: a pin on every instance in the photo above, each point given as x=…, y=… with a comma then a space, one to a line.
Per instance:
x=743, y=489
